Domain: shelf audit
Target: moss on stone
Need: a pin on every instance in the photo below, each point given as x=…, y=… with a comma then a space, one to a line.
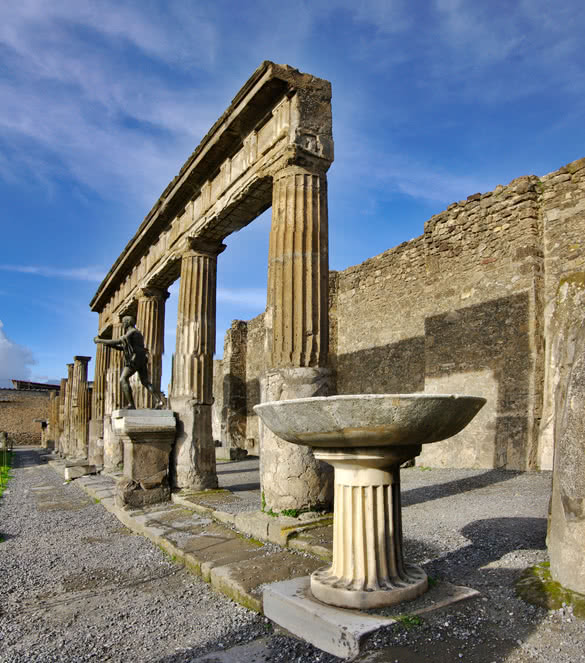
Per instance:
x=536, y=585
x=577, y=278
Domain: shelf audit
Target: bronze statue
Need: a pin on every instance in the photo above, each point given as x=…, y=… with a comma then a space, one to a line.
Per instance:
x=135, y=360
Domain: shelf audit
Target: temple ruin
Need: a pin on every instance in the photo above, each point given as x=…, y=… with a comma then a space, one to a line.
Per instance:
x=487, y=302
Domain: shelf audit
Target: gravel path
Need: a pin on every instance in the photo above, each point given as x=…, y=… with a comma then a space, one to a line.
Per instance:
x=78, y=586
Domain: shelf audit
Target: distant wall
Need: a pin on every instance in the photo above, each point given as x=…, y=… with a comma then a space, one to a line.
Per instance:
x=18, y=410
x=464, y=308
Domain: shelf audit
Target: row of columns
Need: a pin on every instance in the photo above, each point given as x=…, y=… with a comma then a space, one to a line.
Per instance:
x=297, y=335
x=70, y=411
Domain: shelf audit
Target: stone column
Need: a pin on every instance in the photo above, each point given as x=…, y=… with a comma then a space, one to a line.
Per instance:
x=297, y=333
x=67, y=424
x=151, y=322
x=193, y=463
x=61, y=417
x=96, y=424
x=113, y=449
x=53, y=419
x=79, y=411
x=566, y=525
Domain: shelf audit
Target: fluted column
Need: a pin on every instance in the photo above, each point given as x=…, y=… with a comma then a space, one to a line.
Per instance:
x=114, y=400
x=151, y=322
x=67, y=413
x=297, y=333
x=79, y=407
x=298, y=269
x=96, y=424
x=61, y=416
x=192, y=379
x=368, y=568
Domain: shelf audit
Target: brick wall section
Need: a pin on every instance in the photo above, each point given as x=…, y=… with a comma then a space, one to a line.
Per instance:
x=460, y=309
x=18, y=410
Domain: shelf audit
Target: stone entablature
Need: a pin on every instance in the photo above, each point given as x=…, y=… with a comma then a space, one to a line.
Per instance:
x=280, y=117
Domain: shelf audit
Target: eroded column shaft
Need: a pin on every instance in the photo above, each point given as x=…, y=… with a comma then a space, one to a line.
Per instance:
x=192, y=379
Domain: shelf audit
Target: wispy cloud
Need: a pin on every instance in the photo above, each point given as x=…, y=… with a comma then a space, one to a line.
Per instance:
x=15, y=360
x=92, y=274
x=247, y=298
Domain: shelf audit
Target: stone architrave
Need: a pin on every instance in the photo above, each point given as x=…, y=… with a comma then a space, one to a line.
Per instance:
x=566, y=530
x=192, y=379
x=151, y=322
x=79, y=407
x=113, y=449
x=298, y=273
x=147, y=436
x=96, y=424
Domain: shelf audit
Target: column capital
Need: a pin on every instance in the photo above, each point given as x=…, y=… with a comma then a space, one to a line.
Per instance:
x=153, y=292
x=82, y=359
x=202, y=246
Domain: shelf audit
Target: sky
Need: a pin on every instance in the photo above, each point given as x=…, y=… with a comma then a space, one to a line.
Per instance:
x=102, y=101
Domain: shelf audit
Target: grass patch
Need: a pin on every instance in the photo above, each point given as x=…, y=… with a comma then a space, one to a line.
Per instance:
x=409, y=621
x=5, y=465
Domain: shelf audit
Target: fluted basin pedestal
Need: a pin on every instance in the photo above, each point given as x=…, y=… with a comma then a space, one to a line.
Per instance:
x=368, y=569
x=366, y=438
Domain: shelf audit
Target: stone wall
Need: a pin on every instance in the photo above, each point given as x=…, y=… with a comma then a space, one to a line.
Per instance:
x=18, y=411
x=461, y=309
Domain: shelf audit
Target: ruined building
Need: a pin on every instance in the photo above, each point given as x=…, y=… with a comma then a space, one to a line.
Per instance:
x=488, y=302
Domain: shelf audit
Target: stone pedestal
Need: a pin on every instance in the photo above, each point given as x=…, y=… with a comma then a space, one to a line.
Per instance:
x=290, y=476
x=147, y=436
x=368, y=569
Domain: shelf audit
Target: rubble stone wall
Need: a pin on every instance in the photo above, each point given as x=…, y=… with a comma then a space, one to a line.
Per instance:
x=464, y=308
x=18, y=411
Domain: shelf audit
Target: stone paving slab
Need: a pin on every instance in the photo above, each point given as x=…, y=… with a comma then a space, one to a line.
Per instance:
x=236, y=563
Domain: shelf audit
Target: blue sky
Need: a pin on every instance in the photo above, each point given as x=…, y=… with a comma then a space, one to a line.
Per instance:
x=102, y=101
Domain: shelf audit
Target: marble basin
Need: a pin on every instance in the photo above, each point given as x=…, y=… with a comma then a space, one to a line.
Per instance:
x=369, y=420
x=366, y=438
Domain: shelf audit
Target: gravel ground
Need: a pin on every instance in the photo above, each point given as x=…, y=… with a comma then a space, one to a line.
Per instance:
x=77, y=586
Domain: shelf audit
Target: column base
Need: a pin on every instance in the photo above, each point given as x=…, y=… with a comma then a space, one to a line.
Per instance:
x=339, y=592
x=290, y=475
x=193, y=460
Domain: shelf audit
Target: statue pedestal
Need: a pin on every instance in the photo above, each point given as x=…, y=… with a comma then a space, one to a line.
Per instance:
x=147, y=437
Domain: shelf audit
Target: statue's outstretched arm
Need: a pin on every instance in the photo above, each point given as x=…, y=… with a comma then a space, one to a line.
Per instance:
x=113, y=343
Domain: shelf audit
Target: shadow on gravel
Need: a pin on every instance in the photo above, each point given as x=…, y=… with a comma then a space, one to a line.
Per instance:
x=436, y=491
x=244, y=486
x=221, y=472
x=23, y=458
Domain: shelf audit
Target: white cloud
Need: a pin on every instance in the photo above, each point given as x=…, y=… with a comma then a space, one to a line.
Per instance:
x=15, y=360
x=92, y=274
